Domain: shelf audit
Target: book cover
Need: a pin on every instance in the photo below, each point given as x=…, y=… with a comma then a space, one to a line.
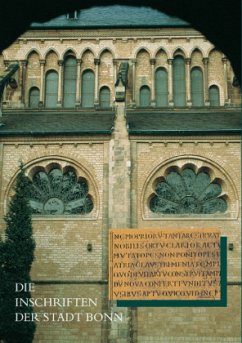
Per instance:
x=126, y=121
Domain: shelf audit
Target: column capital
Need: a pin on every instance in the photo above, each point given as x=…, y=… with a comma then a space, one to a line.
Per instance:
x=60, y=63
x=225, y=60
x=42, y=62
x=206, y=93
x=23, y=63
x=205, y=60
x=96, y=61
x=115, y=61
x=78, y=60
x=134, y=61
x=152, y=61
x=170, y=61
x=235, y=82
x=188, y=61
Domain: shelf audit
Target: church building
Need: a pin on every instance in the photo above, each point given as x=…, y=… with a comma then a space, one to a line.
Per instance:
x=124, y=117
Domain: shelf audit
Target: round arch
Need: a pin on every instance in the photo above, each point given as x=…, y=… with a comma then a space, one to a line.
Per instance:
x=144, y=96
x=104, y=96
x=46, y=163
x=214, y=92
x=198, y=164
x=34, y=97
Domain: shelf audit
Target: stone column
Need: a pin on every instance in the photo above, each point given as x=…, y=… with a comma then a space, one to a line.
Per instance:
x=153, y=100
x=60, y=84
x=4, y=97
x=97, y=63
x=120, y=165
x=115, y=72
x=115, y=75
x=22, y=81
x=119, y=206
x=188, y=82
x=206, y=95
x=78, y=83
x=134, y=82
x=170, y=82
x=226, y=98
x=42, y=82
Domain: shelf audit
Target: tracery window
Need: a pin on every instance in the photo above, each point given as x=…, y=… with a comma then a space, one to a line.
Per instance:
x=179, y=83
x=161, y=87
x=88, y=84
x=69, y=84
x=197, y=92
x=51, y=89
x=34, y=97
x=104, y=97
x=145, y=96
x=57, y=193
x=214, y=96
x=187, y=192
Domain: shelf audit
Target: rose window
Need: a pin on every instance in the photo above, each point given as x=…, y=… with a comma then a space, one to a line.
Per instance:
x=57, y=193
x=187, y=192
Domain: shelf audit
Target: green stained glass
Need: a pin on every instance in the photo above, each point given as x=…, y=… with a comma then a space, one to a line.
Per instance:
x=179, y=83
x=214, y=96
x=197, y=87
x=69, y=82
x=161, y=88
x=144, y=96
x=51, y=89
x=59, y=193
x=186, y=193
x=88, y=83
x=34, y=97
x=104, y=97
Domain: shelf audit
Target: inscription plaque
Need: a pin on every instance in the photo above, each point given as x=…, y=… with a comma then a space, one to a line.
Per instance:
x=164, y=264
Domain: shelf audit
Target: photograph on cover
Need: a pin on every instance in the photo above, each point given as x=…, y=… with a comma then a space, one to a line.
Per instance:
x=120, y=172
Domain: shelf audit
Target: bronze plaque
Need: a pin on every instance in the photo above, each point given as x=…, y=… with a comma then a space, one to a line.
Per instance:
x=164, y=264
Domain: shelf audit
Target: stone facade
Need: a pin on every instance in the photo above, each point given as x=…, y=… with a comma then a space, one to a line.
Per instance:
x=145, y=51
x=71, y=258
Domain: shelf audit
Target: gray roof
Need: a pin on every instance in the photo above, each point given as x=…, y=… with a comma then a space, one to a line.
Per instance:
x=114, y=16
x=191, y=122
x=56, y=123
x=140, y=122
